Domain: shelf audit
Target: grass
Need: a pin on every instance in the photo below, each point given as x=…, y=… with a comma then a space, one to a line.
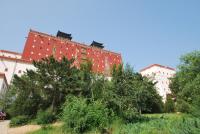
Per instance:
x=153, y=124
x=163, y=124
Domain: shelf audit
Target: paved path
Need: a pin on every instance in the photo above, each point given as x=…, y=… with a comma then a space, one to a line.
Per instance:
x=4, y=127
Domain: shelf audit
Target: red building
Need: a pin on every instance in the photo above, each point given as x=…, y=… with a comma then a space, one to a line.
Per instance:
x=40, y=45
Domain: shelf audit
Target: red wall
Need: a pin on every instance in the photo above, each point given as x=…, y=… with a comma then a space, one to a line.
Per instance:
x=40, y=45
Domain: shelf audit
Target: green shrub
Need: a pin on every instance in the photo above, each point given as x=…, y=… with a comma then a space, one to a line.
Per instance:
x=80, y=116
x=169, y=106
x=183, y=107
x=45, y=117
x=130, y=115
x=19, y=121
x=186, y=107
x=97, y=115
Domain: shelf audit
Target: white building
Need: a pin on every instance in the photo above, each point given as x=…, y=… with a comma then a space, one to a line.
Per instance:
x=161, y=75
x=10, y=54
x=10, y=64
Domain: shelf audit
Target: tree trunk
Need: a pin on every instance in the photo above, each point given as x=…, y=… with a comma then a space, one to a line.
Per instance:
x=140, y=111
x=53, y=103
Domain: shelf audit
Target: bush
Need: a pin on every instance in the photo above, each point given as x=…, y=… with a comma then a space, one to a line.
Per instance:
x=130, y=115
x=80, y=116
x=183, y=106
x=19, y=121
x=97, y=115
x=45, y=117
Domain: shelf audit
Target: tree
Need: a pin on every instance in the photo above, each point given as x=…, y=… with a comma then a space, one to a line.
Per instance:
x=131, y=93
x=56, y=79
x=124, y=95
x=92, y=86
x=22, y=97
x=186, y=83
x=86, y=77
x=148, y=100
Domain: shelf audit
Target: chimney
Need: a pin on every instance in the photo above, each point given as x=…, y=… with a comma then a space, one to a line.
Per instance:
x=64, y=35
x=97, y=44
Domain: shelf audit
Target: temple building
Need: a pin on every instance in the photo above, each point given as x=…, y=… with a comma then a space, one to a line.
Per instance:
x=40, y=45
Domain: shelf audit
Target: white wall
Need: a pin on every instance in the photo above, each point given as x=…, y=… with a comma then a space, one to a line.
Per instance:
x=11, y=67
x=161, y=76
x=3, y=86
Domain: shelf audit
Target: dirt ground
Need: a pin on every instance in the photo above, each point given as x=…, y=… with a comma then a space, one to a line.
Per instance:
x=4, y=128
x=23, y=129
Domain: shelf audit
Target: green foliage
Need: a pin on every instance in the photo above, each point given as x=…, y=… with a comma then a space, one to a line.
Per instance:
x=80, y=116
x=19, y=120
x=22, y=97
x=183, y=107
x=126, y=96
x=186, y=84
x=45, y=117
x=41, y=89
x=55, y=79
x=130, y=115
x=86, y=80
x=169, y=106
x=148, y=100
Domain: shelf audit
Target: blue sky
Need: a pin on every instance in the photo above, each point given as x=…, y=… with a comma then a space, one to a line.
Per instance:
x=143, y=31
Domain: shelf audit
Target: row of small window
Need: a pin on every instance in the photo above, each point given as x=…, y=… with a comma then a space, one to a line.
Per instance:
x=33, y=46
x=6, y=70
x=158, y=72
x=83, y=56
x=42, y=41
x=72, y=54
x=9, y=56
x=165, y=82
x=82, y=49
x=163, y=73
x=166, y=89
